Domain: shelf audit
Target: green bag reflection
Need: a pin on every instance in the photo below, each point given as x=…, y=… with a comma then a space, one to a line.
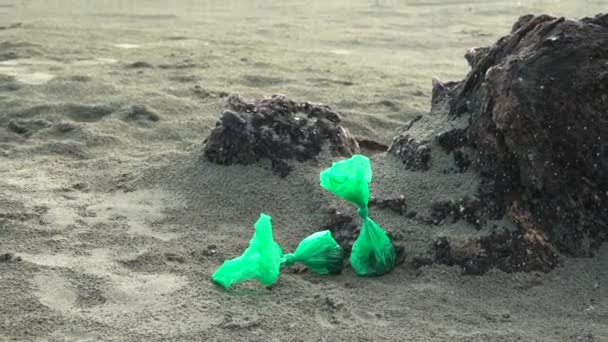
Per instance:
x=261, y=260
x=319, y=252
x=373, y=253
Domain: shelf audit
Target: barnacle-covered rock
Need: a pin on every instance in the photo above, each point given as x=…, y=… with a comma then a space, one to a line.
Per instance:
x=277, y=129
x=524, y=249
x=537, y=107
x=531, y=120
x=414, y=154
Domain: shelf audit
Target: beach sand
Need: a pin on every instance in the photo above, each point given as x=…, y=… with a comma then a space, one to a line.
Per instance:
x=118, y=223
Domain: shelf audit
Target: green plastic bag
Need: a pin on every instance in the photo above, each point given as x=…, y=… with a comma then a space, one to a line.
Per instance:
x=319, y=252
x=373, y=253
x=261, y=260
x=349, y=179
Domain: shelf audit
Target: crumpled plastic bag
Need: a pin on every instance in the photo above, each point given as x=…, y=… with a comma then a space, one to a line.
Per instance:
x=319, y=252
x=263, y=258
x=373, y=253
x=349, y=179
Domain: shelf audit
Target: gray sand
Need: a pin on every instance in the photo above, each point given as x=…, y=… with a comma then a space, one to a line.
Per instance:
x=103, y=109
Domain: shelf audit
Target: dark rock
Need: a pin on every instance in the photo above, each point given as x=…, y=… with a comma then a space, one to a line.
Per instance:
x=396, y=204
x=65, y=127
x=17, y=127
x=387, y=103
x=537, y=106
x=398, y=241
x=11, y=26
x=414, y=154
x=441, y=91
x=8, y=55
x=277, y=129
x=422, y=260
x=18, y=49
x=411, y=214
x=8, y=257
x=440, y=210
x=443, y=250
x=470, y=209
x=475, y=55
x=80, y=78
x=461, y=160
x=173, y=257
x=140, y=65
x=27, y=127
x=343, y=228
x=181, y=65
x=521, y=22
x=19, y=215
x=525, y=249
x=8, y=83
x=140, y=113
x=369, y=147
x=210, y=250
x=453, y=139
x=204, y=93
x=513, y=252
x=427, y=220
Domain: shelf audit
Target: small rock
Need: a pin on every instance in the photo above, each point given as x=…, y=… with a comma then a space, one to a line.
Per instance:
x=139, y=65
x=7, y=257
x=411, y=214
x=174, y=257
x=277, y=129
x=140, y=113
x=415, y=155
x=396, y=204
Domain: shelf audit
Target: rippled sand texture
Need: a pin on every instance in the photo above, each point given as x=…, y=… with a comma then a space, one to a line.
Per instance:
x=104, y=106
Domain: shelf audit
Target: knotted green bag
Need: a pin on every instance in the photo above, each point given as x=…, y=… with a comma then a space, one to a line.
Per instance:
x=263, y=258
x=373, y=253
x=319, y=252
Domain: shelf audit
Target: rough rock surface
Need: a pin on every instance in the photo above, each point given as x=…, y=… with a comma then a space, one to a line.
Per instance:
x=415, y=154
x=277, y=129
x=524, y=249
x=538, y=108
x=469, y=209
x=396, y=204
x=345, y=229
x=535, y=108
